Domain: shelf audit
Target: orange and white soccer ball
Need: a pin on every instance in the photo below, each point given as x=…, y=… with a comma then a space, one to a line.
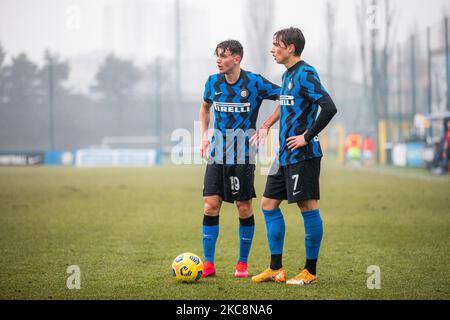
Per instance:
x=187, y=267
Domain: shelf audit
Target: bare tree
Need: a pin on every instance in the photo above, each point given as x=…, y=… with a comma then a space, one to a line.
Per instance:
x=330, y=19
x=387, y=51
x=381, y=35
x=361, y=13
x=259, y=27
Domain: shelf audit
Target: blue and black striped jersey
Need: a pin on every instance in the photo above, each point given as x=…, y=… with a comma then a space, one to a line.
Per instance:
x=301, y=88
x=236, y=108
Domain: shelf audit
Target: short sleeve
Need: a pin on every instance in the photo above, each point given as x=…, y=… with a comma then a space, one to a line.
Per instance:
x=207, y=94
x=267, y=89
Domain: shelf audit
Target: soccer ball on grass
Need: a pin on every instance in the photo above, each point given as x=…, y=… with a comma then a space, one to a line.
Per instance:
x=187, y=267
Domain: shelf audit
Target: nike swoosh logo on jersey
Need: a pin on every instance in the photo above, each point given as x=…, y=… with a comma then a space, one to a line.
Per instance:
x=295, y=193
x=235, y=192
x=217, y=93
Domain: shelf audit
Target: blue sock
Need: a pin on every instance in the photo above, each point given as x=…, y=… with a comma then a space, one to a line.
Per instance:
x=210, y=235
x=313, y=233
x=246, y=231
x=275, y=230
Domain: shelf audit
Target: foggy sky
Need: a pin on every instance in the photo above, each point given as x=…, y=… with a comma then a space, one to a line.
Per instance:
x=35, y=25
x=142, y=30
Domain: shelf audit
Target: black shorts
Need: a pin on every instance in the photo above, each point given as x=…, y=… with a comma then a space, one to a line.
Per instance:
x=295, y=182
x=231, y=182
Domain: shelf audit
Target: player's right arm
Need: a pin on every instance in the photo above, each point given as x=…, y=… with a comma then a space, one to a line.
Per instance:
x=269, y=91
x=204, y=116
x=263, y=131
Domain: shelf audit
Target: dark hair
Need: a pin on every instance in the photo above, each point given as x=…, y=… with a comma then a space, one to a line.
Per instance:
x=291, y=36
x=234, y=46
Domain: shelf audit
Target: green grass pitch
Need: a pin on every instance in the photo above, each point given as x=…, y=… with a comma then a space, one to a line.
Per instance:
x=124, y=227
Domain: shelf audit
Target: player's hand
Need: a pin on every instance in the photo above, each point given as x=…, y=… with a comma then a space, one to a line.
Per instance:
x=296, y=141
x=204, y=148
x=260, y=136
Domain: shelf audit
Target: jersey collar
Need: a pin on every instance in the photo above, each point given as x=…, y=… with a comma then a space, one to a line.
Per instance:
x=296, y=66
x=237, y=81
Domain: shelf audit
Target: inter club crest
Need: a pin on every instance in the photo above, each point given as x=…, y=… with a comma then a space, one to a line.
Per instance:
x=290, y=85
x=244, y=93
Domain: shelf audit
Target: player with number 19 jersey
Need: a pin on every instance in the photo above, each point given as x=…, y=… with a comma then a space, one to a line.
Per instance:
x=236, y=96
x=236, y=108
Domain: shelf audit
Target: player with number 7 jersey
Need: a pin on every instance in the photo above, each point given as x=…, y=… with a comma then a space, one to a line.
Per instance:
x=236, y=96
x=297, y=177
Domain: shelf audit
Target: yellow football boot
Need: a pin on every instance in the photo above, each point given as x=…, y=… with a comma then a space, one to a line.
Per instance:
x=303, y=278
x=270, y=275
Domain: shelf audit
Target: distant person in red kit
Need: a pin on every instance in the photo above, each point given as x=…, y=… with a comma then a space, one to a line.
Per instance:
x=368, y=149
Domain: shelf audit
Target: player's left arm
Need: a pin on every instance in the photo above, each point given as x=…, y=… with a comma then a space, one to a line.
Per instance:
x=313, y=90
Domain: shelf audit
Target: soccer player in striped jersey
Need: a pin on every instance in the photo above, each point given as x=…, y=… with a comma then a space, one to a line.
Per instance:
x=297, y=178
x=236, y=96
